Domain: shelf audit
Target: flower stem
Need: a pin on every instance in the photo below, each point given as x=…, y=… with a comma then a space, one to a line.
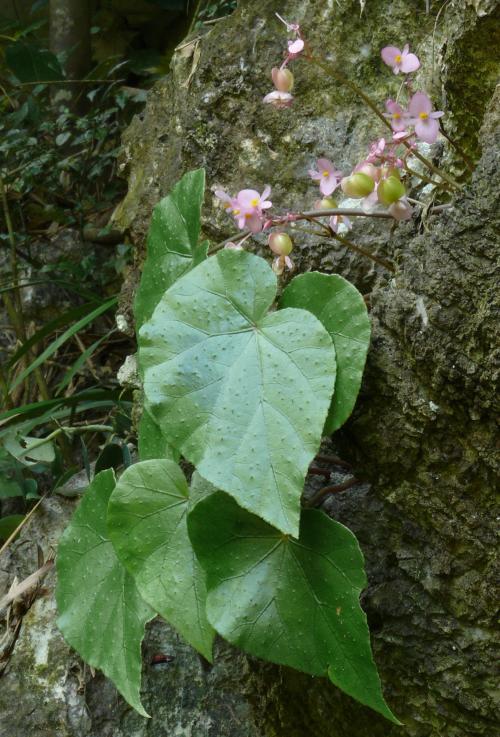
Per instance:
x=326, y=491
x=311, y=215
x=459, y=150
x=332, y=72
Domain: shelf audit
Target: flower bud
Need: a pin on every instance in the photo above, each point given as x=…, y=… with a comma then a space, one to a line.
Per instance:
x=280, y=243
x=327, y=203
x=370, y=170
x=390, y=190
x=283, y=79
x=357, y=185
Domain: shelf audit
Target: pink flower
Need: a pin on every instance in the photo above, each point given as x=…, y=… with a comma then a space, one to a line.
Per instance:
x=328, y=177
x=251, y=200
x=401, y=210
x=295, y=48
x=396, y=115
x=249, y=206
x=376, y=151
x=423, y=117
x=279, y=99
x=337, y=220
x=226, y=199
x=400, y=61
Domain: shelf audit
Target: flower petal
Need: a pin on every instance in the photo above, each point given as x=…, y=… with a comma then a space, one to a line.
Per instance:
x=389, y=54
x=324, y=165
x=427, y=130
x=265, y=194
x=295, y=47
x=419, y=103
x=409, y=63
x=328, y=185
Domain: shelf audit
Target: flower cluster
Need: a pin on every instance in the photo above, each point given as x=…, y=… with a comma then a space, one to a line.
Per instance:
x=419, y=113
x=247, y=207
x=377, y=180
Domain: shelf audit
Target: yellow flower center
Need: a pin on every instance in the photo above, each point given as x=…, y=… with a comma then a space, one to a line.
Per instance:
x=254, y=202
x=248, y=215
x=396, y=116
x=326, y=173
x=423, y=116
x=236, y=212
x=397, y=58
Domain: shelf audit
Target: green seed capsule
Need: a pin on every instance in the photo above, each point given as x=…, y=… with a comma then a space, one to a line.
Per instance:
x=357, y=185
x=280, y=244
x=390, y=190
x=327, y=203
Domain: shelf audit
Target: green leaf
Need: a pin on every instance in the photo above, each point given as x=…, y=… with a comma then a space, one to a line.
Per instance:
x=10, y=487
x=151, y=441
x=172, y=246
x=31, y=64
x=293, y=602
x=9, y=524
x=242, y=394
x=147, y=523
x=28, y=450
x=102, y=615
x=111, y=456
x=342, y=310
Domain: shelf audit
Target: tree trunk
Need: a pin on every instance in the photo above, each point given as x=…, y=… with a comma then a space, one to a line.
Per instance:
x=70, y=40
x=423, y=432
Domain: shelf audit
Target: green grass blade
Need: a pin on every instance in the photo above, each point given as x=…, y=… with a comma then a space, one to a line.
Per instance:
x=56, y=344
x=80, y=361
x=49, y=328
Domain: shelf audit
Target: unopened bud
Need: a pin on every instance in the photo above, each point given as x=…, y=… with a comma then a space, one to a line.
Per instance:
x=390, y=190
x=280, y=244
x=357, y=185
x=283, y=79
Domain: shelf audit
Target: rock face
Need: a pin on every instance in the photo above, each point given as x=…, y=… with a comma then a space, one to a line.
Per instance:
x=423, y=432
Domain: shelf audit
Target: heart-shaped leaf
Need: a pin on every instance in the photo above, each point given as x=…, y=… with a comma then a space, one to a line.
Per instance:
x=342, y=310
x=293, y=602
x=172, y=245
x=147, y=522
x=241, y=393
x=101, y=613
